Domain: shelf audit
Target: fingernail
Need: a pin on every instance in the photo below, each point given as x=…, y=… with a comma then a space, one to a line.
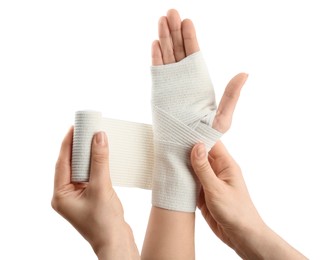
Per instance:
x=100, y=138
x=201, y=152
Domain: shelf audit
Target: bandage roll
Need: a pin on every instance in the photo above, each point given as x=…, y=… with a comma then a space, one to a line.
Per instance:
x=130, y=144
x=87, y=123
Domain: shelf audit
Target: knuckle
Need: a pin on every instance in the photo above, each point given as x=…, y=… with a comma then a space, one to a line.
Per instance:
x=204, y=166
x=100, y=158
x=231, y=93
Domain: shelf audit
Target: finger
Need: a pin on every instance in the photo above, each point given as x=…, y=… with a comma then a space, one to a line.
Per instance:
x=224, y=115
x=201, y=198
x=63, y=164
x=202, y=167
x=165, y=41
x=222, y=159
x=218, y=150
x=99, y=171
x=189, y=37
x=156, y=54
x=174, y=23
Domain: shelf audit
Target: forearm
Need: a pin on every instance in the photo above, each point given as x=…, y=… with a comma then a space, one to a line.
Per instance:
x=263, y=243
x=170, y=235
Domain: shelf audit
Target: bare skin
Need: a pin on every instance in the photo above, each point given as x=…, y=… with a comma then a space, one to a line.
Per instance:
x=174, y=238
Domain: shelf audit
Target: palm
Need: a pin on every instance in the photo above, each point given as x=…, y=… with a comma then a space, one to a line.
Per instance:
x=216, y=227
x=177, y=40
x=72, y=190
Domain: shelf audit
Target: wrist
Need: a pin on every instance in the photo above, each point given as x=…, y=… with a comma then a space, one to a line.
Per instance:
x=261, y=242
x=248, y=240
x=118, y=244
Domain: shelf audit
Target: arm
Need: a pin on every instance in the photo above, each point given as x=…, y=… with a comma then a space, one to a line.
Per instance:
x=93, y=208
x=227, y=207
x=261, y=242
x=170, y=235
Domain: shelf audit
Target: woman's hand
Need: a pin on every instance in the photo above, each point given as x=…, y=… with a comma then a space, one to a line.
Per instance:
x=93, y=208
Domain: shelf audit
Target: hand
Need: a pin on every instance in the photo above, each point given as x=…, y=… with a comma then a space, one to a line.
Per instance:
x=93, y=208
x=224, y=200
x=228, y=209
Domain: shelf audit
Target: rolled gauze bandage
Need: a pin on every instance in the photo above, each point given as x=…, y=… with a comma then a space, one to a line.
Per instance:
x=183, y=109
x=131, y=149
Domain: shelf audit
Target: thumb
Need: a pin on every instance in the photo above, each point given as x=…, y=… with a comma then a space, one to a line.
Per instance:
x=202, y=167
x=99, y=170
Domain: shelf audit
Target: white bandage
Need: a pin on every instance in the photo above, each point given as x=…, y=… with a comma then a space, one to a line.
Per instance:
x=183, y=108
x=131, y=149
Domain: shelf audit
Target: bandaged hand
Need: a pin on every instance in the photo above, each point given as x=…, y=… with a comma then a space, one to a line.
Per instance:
x=93, y=208
x=184, y=113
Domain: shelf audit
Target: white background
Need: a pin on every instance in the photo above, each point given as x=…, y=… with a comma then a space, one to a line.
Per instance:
x=57, y=57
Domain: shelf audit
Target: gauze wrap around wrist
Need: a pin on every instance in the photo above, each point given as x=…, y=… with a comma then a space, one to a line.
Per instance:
x=183, y=109
x=157, y=157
